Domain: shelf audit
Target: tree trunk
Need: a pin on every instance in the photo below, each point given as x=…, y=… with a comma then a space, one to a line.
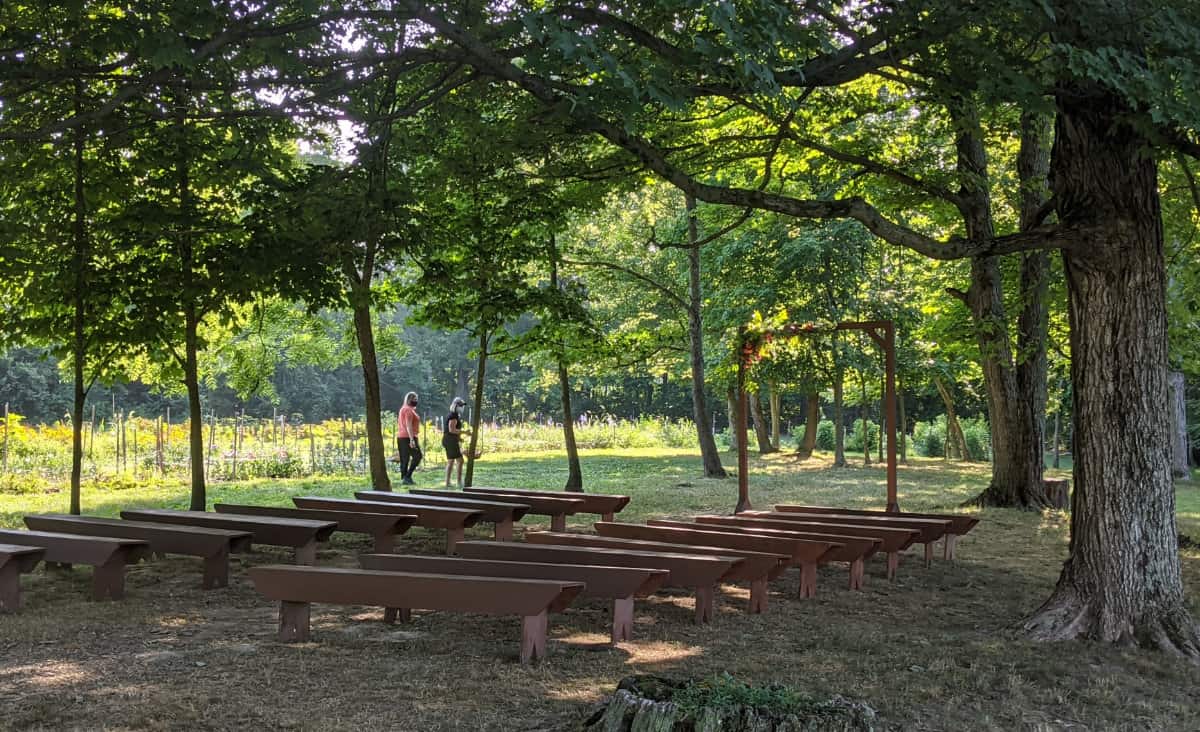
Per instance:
x=902, y=423
x=812, y=420
x=364, y=334
x=477, y=408
x=709, y=454
x=760, y=424
x=1057, y=438
x=574, y=471
x=79, y=260
x=839, y=427
x=774, y=403
x=191, y=379
x=1122, y=581
x=956, y=442
x=731, y=402
x=866, y=433
x=1179, y=435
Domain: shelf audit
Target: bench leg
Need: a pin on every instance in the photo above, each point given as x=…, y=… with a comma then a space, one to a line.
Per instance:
x=385, y=543
x=607, y=517
x=705, y=600
x=533, y=636
x=453, y=536
x=808, y=580
x=504, y=530
x=307, y=554
x=622, y=624
x=293, y=621
x=392, y=614
x=758, y=596
x=108, y=580
x=558, y=522
x=856, y=574
x=216, y=570
x=948, y=550
x=928, y=555
x=893, y=562
x=10, y=587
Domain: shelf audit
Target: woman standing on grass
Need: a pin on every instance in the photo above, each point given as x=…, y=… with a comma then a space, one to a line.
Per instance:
x=408, y=430
x=452, y=440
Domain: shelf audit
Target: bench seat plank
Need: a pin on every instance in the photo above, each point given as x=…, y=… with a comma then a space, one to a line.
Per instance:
x=454, y=520
x=619, y=584
x=931, y=529
x=383, y=528
x=212, y=545
x=960, y=524
x=805, y=553
x=599, y=503
x=299, y=534
x=757, y=568
x=15, y=560
x=503, y=515
x=556, y=508
x=297, y=587
x=107, y=555
x=895, y=539
x=699, y=573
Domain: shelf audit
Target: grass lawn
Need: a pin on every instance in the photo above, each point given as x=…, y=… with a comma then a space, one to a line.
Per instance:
x=937, y=649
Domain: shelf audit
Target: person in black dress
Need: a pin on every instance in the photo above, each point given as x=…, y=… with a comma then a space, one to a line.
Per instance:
x=452, y=440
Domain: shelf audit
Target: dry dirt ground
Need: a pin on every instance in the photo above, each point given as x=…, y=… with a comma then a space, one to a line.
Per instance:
x=937, y=649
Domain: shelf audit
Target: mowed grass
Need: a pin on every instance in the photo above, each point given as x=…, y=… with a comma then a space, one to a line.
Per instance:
x=937, y=649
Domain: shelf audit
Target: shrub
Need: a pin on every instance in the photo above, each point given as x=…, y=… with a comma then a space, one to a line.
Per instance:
x=825, y=436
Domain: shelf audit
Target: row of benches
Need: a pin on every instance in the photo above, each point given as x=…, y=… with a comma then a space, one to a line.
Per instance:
x=109, y=545
x=621, y=562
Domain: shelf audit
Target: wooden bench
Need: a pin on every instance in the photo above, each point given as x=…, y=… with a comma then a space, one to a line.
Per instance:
x=804, y=553
x=853, y=550
x=212, y=545
x=454, y=520
x=15, y=560
x=757, y=568
x=619, y=584
x=503, y=515
x=299, y=534
x=699, y=573
x=930, y=529
x=383, y=528
x=960, y=524
x=892, y=540
x=296, y=588
x=603, y=504
x=108, y=556
x=556, y=508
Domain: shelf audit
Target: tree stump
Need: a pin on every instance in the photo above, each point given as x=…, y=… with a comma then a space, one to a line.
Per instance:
x=1058, y=492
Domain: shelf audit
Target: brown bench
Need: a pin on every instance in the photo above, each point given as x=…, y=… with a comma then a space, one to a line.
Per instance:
x=853, y=550
x=892, y=541
x=383, y=528
x=503, y=515
x=454, y=520
x=15, y=560
x=556, y=508
x=804, y=553
x=599, y=503
x=299, y=534
x=930, y=529
x=108, y=556
x=619, y=584
x=960, y=524
x=212, y=545
x=690, y=571
x=757, y=568
x=296, y=588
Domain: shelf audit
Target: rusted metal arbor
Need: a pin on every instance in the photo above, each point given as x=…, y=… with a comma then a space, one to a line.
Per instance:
x=883, y=332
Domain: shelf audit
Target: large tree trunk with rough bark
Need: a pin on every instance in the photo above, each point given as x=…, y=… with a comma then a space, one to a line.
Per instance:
x=812, y=420
x=709, y=455
x=760, y=424
x=1122, y=581
x=364, y=334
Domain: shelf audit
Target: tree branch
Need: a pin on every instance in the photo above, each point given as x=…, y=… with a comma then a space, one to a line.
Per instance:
x=666, y=291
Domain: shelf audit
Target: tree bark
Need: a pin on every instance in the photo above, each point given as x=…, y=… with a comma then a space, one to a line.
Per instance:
x=760, y=424
x=902, y=423
x=191, y=379
x=364, y=334
x=79, y=258
x=1122, y=580
x=812, y=420
x=731, y=403
x=1180, y=468
x=477, y=407
x=774, y=400
x=866, y=433
x=839, y=426
x=574, y=470
x=956, y=441
x=709, y=454
x=1057, y=438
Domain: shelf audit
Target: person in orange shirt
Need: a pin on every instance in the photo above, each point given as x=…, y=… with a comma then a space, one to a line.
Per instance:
x=408, y=431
